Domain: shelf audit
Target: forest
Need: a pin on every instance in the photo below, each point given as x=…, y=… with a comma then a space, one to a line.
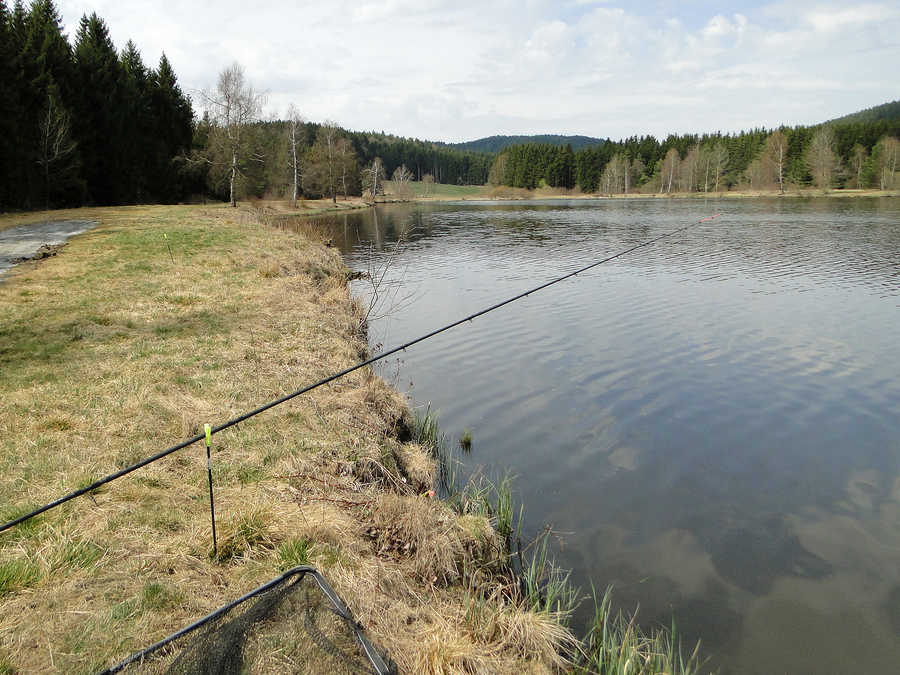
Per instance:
x=850, y=154
x=85, y=124
x=82, y=123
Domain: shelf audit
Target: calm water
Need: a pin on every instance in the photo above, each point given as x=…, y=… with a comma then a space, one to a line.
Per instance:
x=714, y=421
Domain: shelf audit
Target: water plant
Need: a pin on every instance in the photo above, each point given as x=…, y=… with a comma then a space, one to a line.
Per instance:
x=465, y=441
x=615, y=645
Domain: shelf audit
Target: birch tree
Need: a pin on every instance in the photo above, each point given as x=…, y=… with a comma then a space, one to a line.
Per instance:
x=886, y=154
x=373, y=178
x=346, y=163
x=401, y=178
x=57, y=149
x=775, y=157
x=428, y=182
x=669, y=170
x=295, y=141
x=719, y=158
x=233, y=107
x=821, y=157
x=858, y=157
x=323, y=170
x=689, y=170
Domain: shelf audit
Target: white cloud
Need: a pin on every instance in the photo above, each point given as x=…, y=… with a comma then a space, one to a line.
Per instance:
x=459, y=69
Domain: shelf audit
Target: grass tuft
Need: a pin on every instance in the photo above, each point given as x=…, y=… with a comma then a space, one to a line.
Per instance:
x=18, y=574
x=246, y=532
x=546, y=588
x=292, y=553
x=616, y=645
x=73, y=552
x=426, y=431
x=465, y=441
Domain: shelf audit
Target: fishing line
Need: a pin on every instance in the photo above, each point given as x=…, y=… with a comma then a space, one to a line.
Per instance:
x=335, y=376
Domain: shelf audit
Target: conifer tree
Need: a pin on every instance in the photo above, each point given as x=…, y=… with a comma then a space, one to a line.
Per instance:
x=99, y=112
x=10, y=111
x=172, y=133
x=46, y=68
x=137, y=126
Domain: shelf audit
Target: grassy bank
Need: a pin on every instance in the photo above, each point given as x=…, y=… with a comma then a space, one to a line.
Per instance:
x=133, y=337
x=304, y=208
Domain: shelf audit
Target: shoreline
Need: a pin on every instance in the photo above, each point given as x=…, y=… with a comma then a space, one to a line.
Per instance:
x=539, y=195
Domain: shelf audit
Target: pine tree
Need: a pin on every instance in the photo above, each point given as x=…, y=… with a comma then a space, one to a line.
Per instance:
x=137, y=129
x=99, y=118
x=10, y=111
x=172, y=130
x=46, y=70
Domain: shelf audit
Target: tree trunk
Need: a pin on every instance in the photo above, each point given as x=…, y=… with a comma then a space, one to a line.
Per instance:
x=781, y=169
x=294, y=154
x=233, y=172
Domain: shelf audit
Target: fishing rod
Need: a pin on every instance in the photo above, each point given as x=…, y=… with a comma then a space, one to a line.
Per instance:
x=331, y=378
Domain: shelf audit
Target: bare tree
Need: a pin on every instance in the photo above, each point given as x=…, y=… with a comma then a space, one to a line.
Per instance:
x=719, y=158
x=233, y=106
x=689, y=167
x=636, y=170
x=670, y=167
x=821, y=157
x=345, y=157
x=428, y=182
x=401, y=178
x=323, y=171
x=56, y=144
x=373, y=178
x=858, y=157
x=887, y=157
x=295, y=140
x=613, y=174
x=756, y=173
x=775, y=157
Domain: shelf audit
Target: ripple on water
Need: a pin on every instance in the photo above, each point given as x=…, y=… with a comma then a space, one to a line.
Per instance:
x=713, y=418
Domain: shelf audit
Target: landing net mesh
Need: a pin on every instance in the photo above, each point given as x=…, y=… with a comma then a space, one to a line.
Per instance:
x=293, y=626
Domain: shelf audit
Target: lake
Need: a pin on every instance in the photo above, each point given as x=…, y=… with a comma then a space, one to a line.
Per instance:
x=711, y=423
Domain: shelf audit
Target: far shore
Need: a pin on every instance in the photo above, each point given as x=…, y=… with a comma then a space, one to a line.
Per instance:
x=502, y=193
x=437, y=193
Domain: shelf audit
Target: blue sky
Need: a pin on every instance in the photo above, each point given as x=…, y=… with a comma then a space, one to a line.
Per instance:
x=460, y=69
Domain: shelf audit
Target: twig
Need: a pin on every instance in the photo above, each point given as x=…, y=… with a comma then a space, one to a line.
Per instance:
x=342, y=502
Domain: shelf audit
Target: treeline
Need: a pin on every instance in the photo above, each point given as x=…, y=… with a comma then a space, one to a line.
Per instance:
x=82, y=123
x=852, y=155
x=267, y=169
x=499, y=143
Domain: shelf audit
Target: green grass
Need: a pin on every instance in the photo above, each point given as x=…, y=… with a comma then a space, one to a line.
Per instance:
x=440, y=190
x=72, y=552
x=18, y=574
x=616, y=645
x=426, y=431
x=292, y=553
x=465, y=441
x=247, y=531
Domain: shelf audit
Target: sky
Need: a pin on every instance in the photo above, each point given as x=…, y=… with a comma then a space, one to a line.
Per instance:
x=457, y=70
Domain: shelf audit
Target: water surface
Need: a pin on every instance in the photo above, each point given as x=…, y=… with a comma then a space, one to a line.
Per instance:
x=712, y=420
x=24, y=240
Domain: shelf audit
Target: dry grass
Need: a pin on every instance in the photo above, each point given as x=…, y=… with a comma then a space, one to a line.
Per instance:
x=112, y=351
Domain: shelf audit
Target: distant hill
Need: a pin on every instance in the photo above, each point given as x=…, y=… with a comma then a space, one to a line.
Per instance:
x=498, y=143
x=885, y=111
